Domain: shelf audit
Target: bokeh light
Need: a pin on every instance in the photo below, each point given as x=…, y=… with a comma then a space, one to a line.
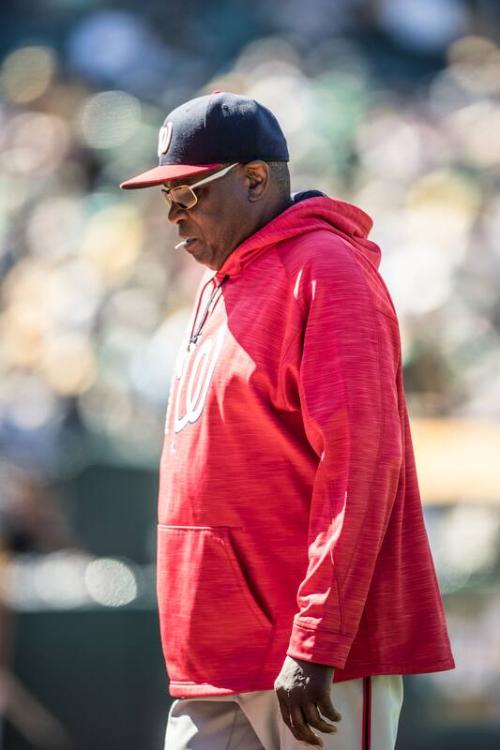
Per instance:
x=27, y=73
x=109, y=119
x=110, y=582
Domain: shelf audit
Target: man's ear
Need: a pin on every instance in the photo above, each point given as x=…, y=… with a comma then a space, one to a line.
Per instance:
x=257, y=177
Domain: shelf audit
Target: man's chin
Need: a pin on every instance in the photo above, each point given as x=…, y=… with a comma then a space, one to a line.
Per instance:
x=199, y=251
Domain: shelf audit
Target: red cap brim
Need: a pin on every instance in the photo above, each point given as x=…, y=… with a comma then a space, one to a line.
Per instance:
x=159, y=175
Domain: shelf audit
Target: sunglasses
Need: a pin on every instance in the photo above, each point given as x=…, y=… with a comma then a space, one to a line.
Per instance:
x=184, y=195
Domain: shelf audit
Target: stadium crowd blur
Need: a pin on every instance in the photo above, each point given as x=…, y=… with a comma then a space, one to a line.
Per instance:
x=391, y=104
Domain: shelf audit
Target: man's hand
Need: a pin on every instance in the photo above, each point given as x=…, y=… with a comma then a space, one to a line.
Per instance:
x=303, y=691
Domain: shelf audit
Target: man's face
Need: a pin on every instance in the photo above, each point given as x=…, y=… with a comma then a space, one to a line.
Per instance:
x=219, y=221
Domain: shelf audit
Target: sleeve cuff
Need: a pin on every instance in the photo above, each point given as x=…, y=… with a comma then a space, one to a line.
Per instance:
x=320, y=646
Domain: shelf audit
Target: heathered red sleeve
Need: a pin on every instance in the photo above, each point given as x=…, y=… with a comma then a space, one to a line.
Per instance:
x=349, y=358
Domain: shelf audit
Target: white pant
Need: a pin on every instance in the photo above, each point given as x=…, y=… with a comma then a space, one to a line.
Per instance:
x=370, y=709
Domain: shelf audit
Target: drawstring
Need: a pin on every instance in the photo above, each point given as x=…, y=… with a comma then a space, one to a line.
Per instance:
x=193, y=338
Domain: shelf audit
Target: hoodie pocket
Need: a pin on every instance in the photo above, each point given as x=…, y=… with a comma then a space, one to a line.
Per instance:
x=213, y=630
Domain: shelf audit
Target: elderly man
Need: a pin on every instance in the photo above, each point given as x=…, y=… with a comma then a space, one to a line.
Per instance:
x=295, y=580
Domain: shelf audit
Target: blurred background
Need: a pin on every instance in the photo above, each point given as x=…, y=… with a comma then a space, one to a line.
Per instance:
x=391, y=104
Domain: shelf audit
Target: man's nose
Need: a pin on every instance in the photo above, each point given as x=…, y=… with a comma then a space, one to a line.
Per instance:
x=176, y=213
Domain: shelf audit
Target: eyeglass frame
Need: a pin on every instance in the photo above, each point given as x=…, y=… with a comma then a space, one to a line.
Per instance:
x=166, y=191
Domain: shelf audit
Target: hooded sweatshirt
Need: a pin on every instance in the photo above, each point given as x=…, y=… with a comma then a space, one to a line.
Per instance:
x=290, y=520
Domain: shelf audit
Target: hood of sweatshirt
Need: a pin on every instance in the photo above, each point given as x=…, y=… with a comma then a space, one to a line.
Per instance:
x=306, y=214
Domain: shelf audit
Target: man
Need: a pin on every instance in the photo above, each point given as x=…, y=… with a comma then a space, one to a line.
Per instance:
x=295, y=580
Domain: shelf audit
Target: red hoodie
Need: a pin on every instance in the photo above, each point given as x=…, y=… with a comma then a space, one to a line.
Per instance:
x=290, y=520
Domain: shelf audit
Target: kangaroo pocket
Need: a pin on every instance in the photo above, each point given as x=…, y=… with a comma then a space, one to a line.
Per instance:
x=212, y=629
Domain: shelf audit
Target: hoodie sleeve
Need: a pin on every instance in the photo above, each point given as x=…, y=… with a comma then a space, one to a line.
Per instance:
x=347, y=363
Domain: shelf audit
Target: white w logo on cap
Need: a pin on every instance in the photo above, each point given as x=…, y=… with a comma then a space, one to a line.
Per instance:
x=164, y=138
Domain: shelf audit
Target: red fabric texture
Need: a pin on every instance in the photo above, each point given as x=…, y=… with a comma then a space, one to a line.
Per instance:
x=290, y=520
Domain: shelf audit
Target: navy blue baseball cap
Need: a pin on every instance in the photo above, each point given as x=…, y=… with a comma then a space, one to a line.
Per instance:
x=209, y=131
